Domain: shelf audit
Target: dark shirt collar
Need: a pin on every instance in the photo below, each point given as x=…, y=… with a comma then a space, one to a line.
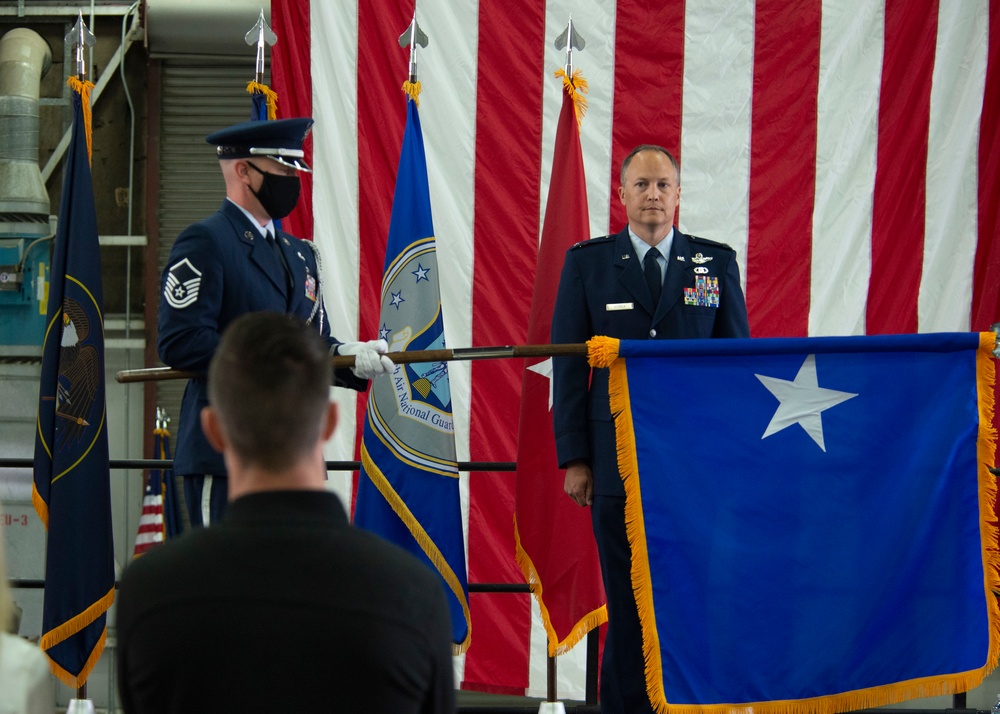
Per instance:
x=285, y=506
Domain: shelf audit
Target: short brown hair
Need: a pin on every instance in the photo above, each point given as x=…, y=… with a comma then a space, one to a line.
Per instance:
x=269, y=383
x=649, y=147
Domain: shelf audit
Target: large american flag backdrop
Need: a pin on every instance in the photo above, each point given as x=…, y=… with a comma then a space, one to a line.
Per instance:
x=848, y=150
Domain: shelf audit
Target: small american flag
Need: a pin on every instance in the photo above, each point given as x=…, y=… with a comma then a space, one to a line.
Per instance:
x=152, y=526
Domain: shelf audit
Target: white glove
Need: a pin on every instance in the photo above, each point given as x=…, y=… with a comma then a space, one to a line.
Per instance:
x=369, y=358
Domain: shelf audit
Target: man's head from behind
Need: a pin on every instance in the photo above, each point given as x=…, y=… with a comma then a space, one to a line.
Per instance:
x=268, y=386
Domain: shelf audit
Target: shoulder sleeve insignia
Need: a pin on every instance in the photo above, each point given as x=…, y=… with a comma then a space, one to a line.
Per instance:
x=180, y=289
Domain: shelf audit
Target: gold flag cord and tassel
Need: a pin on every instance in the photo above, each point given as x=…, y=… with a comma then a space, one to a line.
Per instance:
x=272, y=97
x=412, y=90
x=83, y=88
x=576, y=86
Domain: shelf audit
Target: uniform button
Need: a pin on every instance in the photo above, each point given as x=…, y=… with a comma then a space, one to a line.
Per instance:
x=652, y=333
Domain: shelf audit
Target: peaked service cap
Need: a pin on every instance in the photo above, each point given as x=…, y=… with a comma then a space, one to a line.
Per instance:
x=279, y=139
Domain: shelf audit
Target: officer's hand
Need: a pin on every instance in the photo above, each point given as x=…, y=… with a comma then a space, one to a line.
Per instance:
x=579, y=483
x=369, y=358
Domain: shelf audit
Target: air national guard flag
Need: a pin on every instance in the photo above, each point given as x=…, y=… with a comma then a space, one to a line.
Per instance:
x=811, y=519
x=71, y=472
x=409, y=490
x=555, y=540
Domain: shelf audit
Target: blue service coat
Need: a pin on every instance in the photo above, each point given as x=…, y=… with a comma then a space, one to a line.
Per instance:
x=221, y=268
x=602, y=291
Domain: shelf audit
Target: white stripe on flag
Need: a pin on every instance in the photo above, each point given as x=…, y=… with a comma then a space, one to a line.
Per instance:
x=594, y=20
x=147, y=538
x=448, y=109
x=151, y=519
x=950, y=224
x=334, y=30
x=850, y=72
x=715, y=134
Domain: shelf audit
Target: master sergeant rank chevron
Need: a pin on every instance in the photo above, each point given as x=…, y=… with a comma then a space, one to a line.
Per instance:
x=181, y=286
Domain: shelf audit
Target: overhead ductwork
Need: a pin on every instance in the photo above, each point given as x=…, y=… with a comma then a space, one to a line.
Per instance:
x=24, y=202
x=195, y=27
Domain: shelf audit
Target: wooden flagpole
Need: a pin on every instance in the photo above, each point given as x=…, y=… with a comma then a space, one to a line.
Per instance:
x=155, y=374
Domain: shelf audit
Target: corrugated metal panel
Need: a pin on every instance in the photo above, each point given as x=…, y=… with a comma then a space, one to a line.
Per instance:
x=197, y=99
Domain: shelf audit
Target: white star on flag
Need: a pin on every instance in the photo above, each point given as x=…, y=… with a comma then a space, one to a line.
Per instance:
x=802, y=401
x=421, y=273
x=544, y=369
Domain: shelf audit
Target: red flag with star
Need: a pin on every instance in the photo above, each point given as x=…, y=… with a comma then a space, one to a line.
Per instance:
x=555, y=540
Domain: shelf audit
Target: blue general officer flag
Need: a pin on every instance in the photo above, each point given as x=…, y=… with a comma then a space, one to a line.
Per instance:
x=810, y=519
x=409, y=490
x=71, y=489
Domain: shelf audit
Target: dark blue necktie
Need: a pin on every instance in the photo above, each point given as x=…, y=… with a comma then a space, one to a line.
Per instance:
x=272, y=240
x=651, y=270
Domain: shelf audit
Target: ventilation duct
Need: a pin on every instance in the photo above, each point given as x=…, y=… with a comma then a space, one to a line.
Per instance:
x=195, y=28
x=24, y=202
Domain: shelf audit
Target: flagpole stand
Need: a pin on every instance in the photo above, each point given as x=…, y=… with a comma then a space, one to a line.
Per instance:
x=80, y=706
x=551, y=706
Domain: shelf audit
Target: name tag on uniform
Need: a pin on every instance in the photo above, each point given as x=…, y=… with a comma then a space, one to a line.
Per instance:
x=614, y=306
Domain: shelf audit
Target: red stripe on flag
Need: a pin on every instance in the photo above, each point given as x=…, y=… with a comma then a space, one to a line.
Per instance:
x=900, y=187
x=382, y=69
x=986, y=277
x=291, y=68
x=782, y=166
x=986, y=274
x=649, y=81
x=507, y=185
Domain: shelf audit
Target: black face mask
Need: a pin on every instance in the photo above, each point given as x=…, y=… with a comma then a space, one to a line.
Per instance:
x=278, y=193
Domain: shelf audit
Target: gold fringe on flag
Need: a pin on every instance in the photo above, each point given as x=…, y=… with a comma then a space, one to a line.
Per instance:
x=83, y=87
x=272, y=97
x=635, y=526
x=588, y=622
x=426, y=543
x=987, y=452
x=412, y=90
x=41, y=507
x=71, y=627
x=575, y=86
x=603, y=352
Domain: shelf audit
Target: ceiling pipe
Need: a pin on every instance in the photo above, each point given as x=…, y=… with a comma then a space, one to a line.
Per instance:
x=24, y=202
